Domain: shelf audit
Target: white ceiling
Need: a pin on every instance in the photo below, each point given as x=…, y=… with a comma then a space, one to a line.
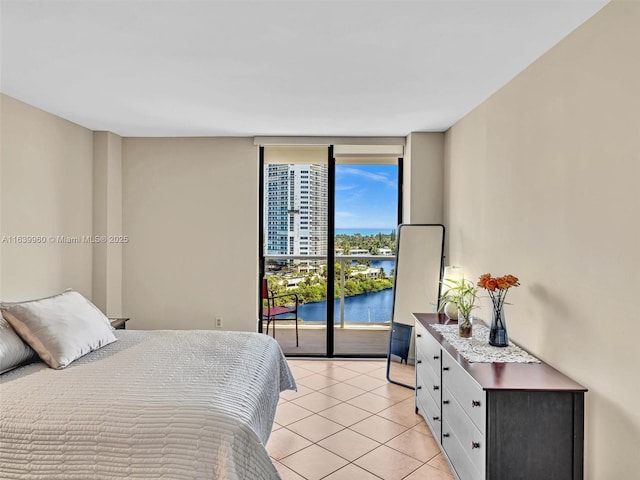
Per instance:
x=208, y=68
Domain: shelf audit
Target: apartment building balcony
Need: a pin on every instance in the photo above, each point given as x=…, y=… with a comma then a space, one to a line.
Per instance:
x=361, y=322
x=368, y=342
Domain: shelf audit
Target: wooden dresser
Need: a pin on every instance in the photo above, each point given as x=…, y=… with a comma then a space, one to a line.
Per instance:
x=498, y=421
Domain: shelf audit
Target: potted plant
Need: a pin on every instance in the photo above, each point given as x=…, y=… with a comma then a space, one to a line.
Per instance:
x=463, y=294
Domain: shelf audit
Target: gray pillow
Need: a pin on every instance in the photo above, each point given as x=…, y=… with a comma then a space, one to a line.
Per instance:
x=13, y=351
x=61, y=328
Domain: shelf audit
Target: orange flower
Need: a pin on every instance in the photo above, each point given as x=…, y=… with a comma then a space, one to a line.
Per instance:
x=492, y=284
x=497, y=287
x=513, y=281
x=482, y=281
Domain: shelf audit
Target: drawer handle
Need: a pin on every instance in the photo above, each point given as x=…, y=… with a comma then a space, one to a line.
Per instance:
x=445, y=369
x=445, y=435
x=419, y=387
x=475, y=445
x=475, y=403
x=419, y=361
x=419, y=335
x=436, y=418
x=436, y=387
x=445, y=402
x=436, y=357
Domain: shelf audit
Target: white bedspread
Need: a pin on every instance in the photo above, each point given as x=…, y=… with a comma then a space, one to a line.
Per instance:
x=153, y=405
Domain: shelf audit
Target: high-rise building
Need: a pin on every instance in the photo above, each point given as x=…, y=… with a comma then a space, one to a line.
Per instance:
x=296, y=209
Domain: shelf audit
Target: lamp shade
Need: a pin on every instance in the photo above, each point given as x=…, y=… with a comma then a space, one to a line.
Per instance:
x=451, y=273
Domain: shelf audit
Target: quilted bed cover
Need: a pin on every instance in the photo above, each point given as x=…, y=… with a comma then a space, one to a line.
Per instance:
x=153, y=405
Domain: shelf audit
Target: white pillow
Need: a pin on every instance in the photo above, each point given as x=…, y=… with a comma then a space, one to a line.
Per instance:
x=13, y=351
x=61, y=328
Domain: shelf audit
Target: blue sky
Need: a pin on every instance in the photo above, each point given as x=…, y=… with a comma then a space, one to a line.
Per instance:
x=367, y=196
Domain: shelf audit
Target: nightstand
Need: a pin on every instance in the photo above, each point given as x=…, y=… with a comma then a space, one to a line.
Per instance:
x=119, y=323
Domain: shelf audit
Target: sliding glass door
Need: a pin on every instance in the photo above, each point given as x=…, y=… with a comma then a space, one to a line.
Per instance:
x=327, y=230
x=294, y=248
x=366, y=220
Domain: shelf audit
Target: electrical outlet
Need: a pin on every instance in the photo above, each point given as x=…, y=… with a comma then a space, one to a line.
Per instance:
x=218, y=322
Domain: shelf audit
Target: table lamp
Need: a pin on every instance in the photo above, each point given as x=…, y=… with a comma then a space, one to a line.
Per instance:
x=451, y=274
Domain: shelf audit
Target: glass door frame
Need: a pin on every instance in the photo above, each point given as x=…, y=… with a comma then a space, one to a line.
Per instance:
x=330, y=254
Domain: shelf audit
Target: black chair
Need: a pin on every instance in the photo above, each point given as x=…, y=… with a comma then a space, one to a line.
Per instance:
x=272, y=312
x=400, y=340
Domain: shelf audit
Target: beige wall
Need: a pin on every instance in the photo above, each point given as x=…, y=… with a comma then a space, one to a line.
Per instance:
x=107, y=222
x=422, y=194
x=542, y=182
x=190, y=209
x=46, y=166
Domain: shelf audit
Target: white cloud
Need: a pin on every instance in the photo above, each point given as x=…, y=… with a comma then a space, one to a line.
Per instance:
x=376, y=177
x=344, y=214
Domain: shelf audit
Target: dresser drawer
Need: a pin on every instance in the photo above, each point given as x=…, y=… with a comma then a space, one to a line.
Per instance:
x=471, y=439
x=430, y=410
x=429, y=348
x=464, y=467
x=429, y=381
x=466, y=391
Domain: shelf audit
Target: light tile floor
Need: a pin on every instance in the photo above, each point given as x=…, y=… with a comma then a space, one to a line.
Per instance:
x=346, y=422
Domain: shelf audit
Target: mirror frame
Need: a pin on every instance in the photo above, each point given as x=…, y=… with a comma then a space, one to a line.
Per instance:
x=395, y=288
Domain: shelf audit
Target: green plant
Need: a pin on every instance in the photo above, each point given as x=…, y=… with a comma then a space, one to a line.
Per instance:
x=462, y=293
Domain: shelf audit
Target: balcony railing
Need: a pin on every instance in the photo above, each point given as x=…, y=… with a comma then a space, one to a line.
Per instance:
x=343, y=260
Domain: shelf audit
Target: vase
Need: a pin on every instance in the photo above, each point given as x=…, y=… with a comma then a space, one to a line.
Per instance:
x=451, y=311
x=498, y=333
x=465, y=327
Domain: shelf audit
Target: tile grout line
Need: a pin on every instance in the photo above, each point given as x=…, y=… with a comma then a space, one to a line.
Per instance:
x=393, y=400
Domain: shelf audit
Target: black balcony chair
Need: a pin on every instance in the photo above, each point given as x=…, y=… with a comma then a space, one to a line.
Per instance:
x=272, y=312
x=400, y=340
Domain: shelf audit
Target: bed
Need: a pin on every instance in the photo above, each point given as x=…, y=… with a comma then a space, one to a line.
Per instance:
x=153, y=404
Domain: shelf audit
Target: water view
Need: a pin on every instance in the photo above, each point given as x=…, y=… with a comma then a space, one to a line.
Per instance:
x=364, y=231
x=374, y=307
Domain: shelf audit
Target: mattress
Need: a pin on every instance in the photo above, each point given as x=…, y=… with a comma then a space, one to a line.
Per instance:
x=153, y=405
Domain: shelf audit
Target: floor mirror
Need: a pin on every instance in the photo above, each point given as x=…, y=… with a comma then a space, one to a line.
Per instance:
x=419, y=265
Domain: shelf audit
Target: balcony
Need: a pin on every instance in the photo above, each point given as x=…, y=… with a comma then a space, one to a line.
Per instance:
x=347, y=341
x=361, y=322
